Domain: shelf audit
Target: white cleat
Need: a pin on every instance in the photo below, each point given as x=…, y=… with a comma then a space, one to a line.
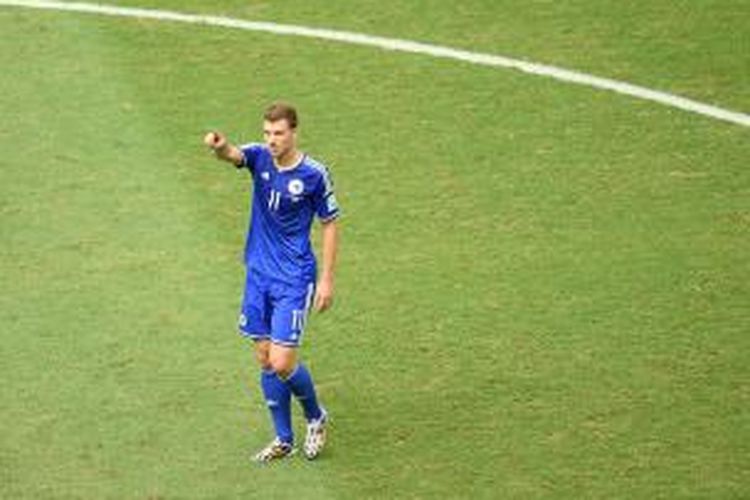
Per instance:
x=275, y=450
x=315, y=439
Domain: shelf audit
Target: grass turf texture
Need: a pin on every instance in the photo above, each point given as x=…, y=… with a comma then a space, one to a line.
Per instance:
x=542, y=288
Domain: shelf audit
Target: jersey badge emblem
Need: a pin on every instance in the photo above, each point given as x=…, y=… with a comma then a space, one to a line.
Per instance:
x=296, y=187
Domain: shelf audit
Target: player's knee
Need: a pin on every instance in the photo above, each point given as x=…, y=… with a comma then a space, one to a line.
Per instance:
x=262, y=355
x=282, y=367
x=282, y=361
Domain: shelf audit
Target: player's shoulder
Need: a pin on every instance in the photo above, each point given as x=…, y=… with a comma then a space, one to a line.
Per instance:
x=255, y=155
x=318, y=174
x=315, y=168
x=254, y=147
x=314, y=164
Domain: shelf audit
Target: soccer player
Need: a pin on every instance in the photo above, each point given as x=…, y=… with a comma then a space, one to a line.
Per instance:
x=289, y=190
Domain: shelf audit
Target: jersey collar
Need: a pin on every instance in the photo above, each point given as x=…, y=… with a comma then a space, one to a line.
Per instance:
x=301, y=158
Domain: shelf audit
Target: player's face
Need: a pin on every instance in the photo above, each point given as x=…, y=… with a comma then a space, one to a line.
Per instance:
x=280, y=138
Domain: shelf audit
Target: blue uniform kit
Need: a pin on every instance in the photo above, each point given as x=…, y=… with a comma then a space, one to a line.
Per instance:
x=281, y=266
x=290, y=190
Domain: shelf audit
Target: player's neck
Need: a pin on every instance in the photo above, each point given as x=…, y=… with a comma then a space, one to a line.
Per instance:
x=288, y=161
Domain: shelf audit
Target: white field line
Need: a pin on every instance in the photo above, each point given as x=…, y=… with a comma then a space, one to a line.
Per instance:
x=401, y=46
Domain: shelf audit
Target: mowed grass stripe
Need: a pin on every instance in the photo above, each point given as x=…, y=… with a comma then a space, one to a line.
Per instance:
x=125, y=320
x=117, y=370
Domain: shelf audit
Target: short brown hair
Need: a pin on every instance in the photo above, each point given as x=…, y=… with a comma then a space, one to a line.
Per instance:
x=281, y=111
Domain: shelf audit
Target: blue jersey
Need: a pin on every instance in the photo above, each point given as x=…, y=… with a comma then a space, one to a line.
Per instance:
x=284, y=204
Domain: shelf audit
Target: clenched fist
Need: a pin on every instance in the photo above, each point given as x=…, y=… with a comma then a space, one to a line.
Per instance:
x=215, y=140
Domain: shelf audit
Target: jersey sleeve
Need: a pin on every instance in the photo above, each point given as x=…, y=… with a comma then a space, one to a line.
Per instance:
x=326, y=206
x=250, y=153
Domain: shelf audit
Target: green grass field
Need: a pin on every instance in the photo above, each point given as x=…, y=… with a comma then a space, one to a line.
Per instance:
x=542, y=289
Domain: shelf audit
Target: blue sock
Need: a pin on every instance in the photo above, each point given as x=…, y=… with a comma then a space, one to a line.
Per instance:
x=278, y=398
x=301, y=384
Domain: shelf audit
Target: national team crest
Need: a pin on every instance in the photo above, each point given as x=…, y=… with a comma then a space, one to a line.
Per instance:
x=296, y=187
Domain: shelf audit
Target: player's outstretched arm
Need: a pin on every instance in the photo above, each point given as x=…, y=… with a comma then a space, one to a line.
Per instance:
x=222, y=148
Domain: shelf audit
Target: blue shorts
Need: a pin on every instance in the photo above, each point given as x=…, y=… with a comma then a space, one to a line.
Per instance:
x=273, y=310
